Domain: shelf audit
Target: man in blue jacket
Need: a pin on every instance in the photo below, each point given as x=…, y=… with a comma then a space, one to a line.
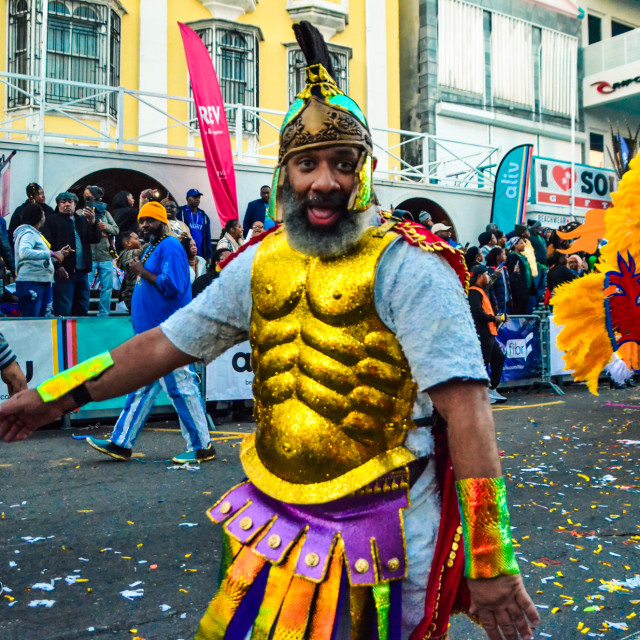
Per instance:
x=163, y=287
x=257, y=211
x=198, y=222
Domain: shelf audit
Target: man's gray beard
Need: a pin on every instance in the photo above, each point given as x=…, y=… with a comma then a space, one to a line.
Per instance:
x=319, y=242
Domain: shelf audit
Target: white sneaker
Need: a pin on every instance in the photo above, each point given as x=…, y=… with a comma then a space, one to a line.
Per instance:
x=496, y=397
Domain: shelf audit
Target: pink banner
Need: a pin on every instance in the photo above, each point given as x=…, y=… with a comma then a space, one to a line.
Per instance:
x=212, y=119
x=5, y=198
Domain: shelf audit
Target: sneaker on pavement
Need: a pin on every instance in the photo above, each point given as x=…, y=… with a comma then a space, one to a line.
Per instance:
x=108, y=447
x=494, y=395
x=199, y=455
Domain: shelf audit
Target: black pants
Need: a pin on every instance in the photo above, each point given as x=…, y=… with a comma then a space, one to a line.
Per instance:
x=493, y=358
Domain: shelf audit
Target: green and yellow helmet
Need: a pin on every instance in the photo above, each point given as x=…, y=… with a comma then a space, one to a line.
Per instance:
x=323, y=116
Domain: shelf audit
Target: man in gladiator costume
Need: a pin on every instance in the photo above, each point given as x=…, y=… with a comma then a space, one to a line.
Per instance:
x=365, y=513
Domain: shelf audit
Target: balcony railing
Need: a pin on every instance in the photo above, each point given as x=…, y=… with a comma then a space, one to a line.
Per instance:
x=613, y=52
x=405, y=156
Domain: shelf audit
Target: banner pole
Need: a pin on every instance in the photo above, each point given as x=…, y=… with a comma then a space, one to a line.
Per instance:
x=43, y=85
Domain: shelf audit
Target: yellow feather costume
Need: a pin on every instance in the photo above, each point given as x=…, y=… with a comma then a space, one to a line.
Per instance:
x=580, y=305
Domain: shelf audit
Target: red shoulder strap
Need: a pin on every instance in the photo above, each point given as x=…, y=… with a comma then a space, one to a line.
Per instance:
x=246, y=245
x=419, y=236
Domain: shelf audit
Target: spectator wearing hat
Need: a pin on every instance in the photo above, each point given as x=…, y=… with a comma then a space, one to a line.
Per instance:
x=487, y=321
x=198, y=222
x=163, y=287
x=35, y=195
x=66, y=227
x=257, y=211
x=444, y=231
x=104, y=252
x=424, y=217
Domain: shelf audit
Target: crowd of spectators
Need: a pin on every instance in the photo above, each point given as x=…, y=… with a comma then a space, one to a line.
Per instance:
x=58, y=256
x=515, y=274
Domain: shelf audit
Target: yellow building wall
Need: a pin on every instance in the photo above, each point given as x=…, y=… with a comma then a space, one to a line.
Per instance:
x=275, y=24
x=3, y=56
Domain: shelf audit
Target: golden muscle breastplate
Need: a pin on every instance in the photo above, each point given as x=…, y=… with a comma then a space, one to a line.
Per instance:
x=333, y=389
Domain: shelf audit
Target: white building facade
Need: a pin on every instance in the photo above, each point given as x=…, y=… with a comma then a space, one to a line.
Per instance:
x=510, y=72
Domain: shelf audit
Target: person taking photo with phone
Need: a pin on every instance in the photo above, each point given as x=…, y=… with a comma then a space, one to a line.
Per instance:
x=79, y=231
x=104, y=252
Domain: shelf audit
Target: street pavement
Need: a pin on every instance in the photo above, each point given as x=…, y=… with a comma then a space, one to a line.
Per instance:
x=94, y=548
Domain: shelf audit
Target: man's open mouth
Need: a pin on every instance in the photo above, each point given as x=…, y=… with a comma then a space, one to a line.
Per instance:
x=323, y=216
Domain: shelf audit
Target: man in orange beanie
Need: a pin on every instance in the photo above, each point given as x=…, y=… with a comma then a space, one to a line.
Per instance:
x=163, y=287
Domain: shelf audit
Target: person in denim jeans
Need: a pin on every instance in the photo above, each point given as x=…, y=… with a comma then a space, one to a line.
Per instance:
x=35, y=264
x=101, y=253
x=71, y=278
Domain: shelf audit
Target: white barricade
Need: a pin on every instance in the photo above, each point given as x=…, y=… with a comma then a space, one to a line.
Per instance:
x=37, y=344
x=557, y=366
x=230, y=377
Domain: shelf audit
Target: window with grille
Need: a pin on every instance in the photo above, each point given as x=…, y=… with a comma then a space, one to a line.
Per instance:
x=234, y=53
x=297, y=64
x=20, y=51
x=83, y=45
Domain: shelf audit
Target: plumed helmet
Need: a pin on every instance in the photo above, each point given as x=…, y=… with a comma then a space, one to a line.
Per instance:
x=323, y=116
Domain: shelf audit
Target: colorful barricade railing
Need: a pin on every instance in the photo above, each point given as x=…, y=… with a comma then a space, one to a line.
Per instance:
x=87, y=337
x=38, y=345
x=45, y=346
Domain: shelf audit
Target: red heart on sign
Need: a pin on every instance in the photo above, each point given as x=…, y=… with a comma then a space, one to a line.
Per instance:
x=563, y=177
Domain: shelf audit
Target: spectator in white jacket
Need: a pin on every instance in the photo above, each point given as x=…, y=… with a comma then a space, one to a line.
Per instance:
x=34, y=263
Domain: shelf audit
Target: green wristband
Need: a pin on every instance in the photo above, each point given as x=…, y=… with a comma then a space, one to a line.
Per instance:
x=65, y=381
x=488, y=549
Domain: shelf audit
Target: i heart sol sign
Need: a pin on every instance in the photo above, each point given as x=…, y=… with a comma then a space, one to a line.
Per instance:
x=554, y=179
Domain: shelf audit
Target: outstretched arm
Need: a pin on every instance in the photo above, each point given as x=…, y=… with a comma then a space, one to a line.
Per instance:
x=501, y=603
x=136, y=363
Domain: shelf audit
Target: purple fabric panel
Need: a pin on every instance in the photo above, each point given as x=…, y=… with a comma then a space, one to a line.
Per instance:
x=249, y=607
x=289, y=531
x=236, y=497
x=395, y=612
x=259, y=516
x=359, y=520
x=342, y=597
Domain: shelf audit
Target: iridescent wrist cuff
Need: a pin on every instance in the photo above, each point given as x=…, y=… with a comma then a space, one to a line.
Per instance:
x=65, y=381
x=486, y=534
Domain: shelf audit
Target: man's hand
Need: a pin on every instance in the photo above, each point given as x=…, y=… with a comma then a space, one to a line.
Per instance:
x=136, y=266
x=61, y=273
x=503, y=607
x=13, y=377
x=25, y=412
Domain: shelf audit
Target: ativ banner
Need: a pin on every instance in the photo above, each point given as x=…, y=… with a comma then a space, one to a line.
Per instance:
x=214, y=131
x=511, y=188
